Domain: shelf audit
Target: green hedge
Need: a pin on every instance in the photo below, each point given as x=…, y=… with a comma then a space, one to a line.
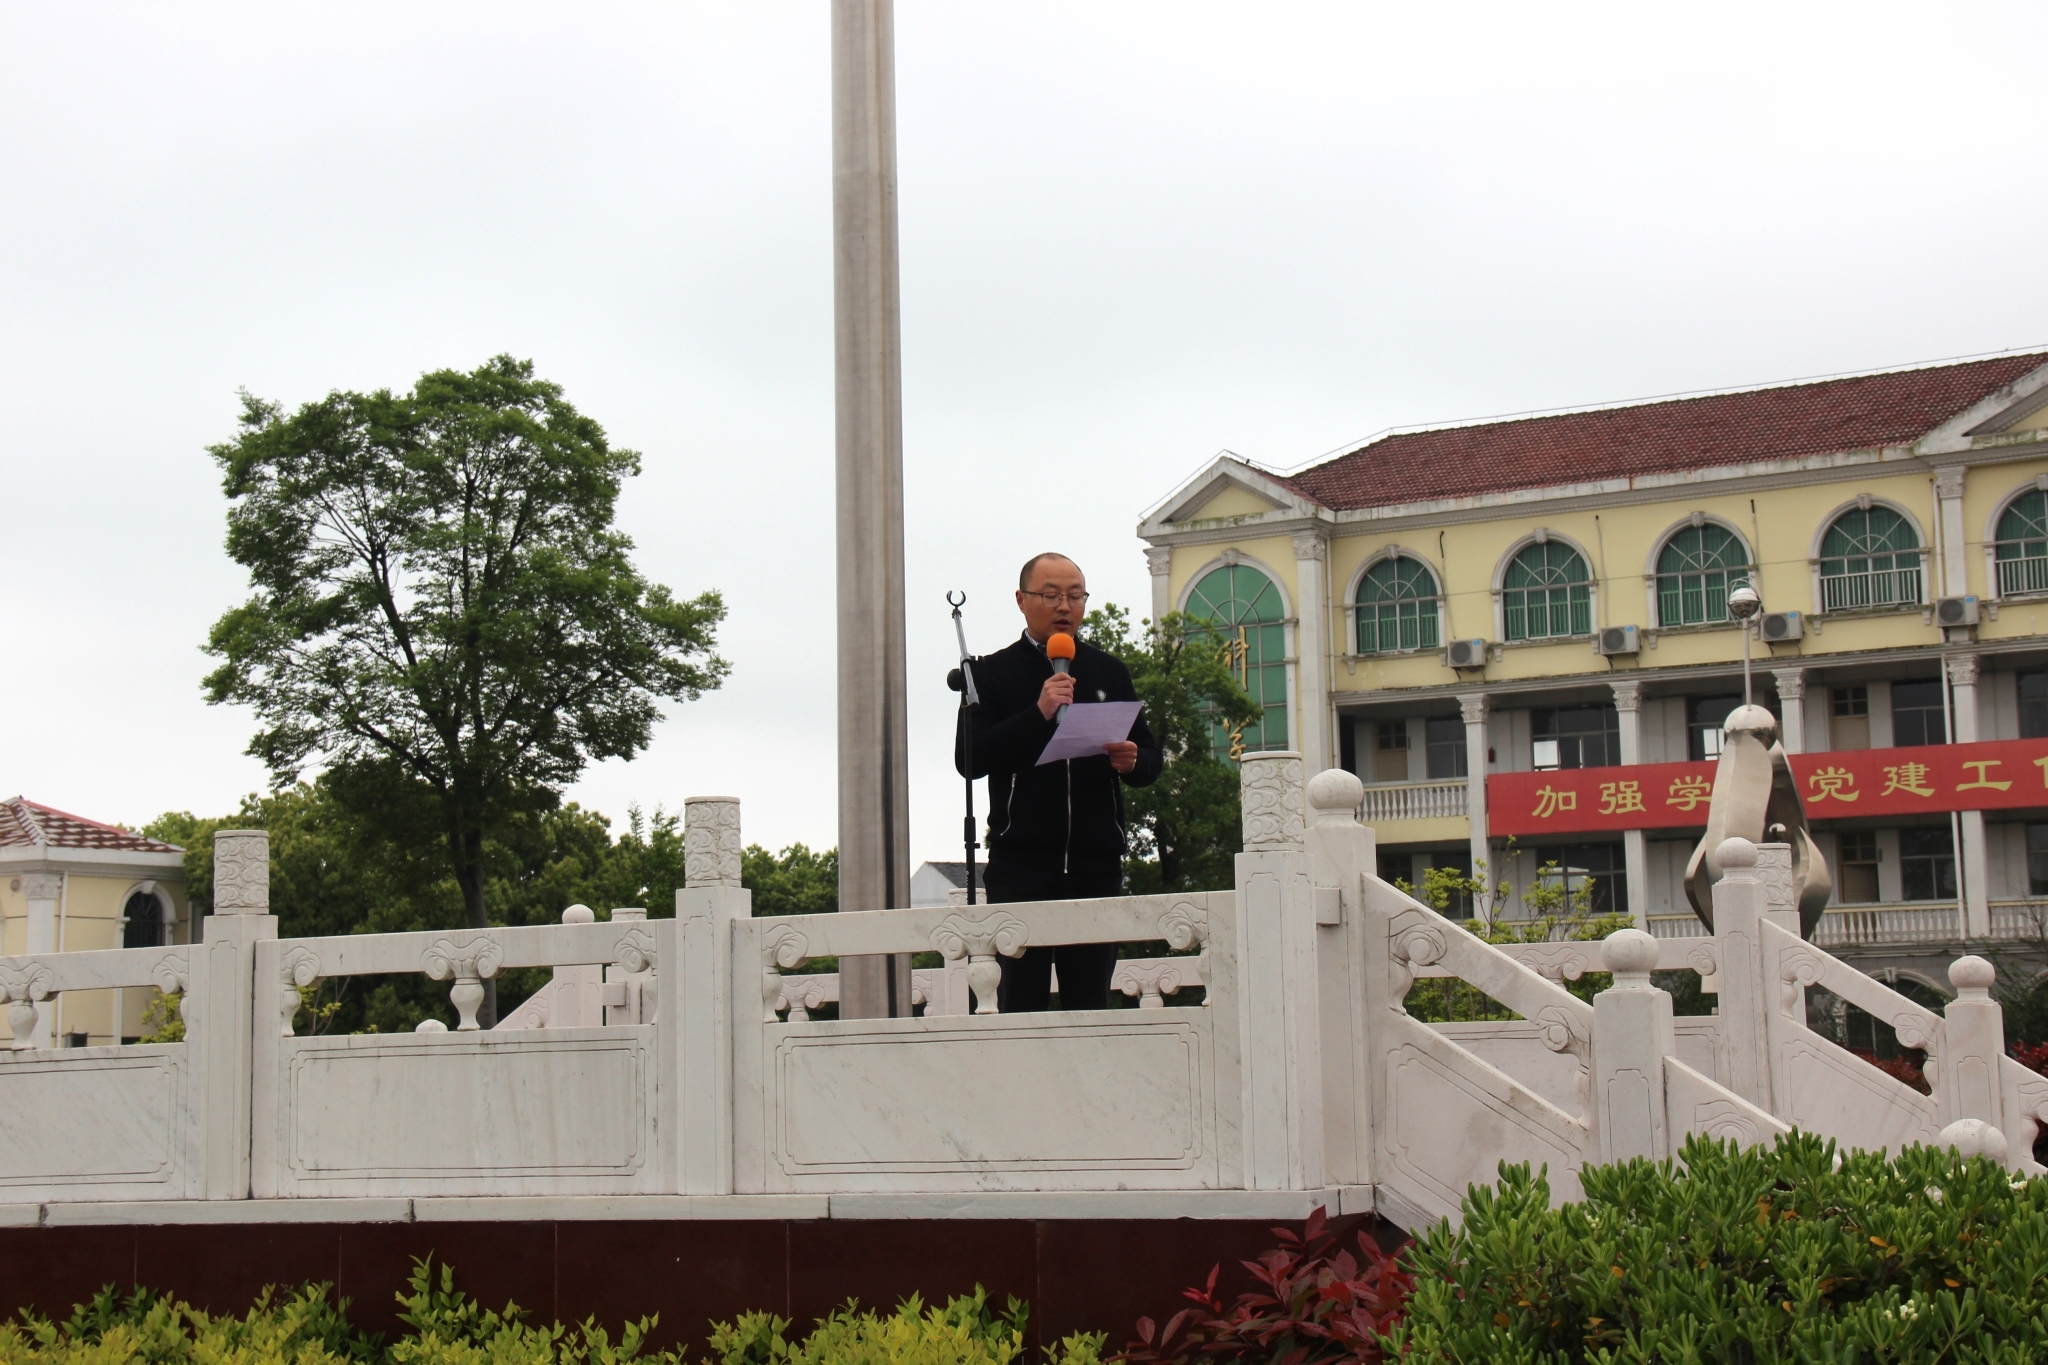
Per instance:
x=446, y=1327
x=1786, y=1254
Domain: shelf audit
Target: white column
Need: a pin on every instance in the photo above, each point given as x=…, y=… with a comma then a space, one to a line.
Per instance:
x=1635, y=852
x=874, y=762
x=699, y=998
x=1279, y=1034
x=1312, y=666
x=1974, y=856
x=1948, y=497
x=1792, y=701
x=42, y=890
x=1473, y=704
x=1159, y=561
x=1632, y=1035
x=220, y=1011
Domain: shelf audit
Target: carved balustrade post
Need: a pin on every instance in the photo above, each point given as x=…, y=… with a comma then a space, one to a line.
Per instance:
x=1745, y=996
x=701, y=997
x=1632, y=1035
x=979, y=940
x=1342, y=853
x=1279, y=1017
x=1971, y=1088
x=220, y=1005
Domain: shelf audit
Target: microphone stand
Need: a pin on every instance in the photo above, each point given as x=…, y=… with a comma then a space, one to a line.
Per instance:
x=962, y=682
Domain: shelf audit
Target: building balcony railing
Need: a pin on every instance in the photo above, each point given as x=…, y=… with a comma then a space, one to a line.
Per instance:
x=1895, y=925
x=1884, y=588
x=2025, y=574
x=1413, y=801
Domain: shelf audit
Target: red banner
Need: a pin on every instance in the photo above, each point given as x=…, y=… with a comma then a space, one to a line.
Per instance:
x=1934, y=778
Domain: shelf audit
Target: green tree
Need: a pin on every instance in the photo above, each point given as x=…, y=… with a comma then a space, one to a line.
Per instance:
x=334, y=872
x=1185, y=828
x=795, y=881
x=444, y=613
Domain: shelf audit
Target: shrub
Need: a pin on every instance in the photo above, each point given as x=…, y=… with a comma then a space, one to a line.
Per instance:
x=1313, y=1307
x=964, y=1332
x=305, y=1329
x=1785, y=1254
x=450, y=1328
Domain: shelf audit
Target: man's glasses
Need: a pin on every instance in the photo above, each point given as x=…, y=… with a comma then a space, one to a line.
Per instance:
x=1053, y=599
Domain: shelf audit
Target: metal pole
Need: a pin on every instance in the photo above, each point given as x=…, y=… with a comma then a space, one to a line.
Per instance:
x=969, y=699
x=874, y=763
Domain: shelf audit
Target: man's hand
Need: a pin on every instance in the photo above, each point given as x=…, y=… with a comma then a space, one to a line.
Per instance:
x=1057, y=692
x=1123, y=755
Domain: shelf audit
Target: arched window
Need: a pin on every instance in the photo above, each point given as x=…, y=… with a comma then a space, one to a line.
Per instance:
x=1397, y=607
x=2022, y=546
x=1870, y=557
x=1694, y=573
x=145, y=928
x=1241, y=605
x=1547, y=593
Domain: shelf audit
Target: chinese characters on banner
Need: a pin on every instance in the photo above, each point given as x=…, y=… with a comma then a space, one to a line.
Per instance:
x=2000, y=774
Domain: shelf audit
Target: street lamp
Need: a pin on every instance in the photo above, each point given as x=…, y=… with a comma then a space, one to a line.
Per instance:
x=1743, y=604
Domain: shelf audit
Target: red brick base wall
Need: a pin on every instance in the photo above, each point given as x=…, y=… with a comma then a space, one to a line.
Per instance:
x=1093, y=1275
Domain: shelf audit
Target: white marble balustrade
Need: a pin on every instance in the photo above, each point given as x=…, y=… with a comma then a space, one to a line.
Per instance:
x=679, y=1057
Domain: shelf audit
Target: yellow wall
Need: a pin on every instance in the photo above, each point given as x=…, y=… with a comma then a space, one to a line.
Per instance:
x=1234, y=501
x=91, y=909
x=1780, y=525
x=1273, y=554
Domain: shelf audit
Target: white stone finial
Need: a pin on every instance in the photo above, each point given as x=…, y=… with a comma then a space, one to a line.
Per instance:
x=1735, y=853
x=1270, y=787
x=430, y=1026
x=1334, y=796
x=1972, y=977
x=579, y=914
x=1631, y=955
x=1975, y=1137
x=241, y=872
x=711, y=841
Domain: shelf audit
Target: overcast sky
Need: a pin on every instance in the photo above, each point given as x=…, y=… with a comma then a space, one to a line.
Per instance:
x=1132, y=235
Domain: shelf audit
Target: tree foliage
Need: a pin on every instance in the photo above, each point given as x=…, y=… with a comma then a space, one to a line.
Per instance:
x=444, y=614
x=1186, y=828
x=795, y=881
x=335, y=871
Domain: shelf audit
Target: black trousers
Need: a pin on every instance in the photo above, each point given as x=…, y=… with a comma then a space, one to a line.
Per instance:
x=1085, y=968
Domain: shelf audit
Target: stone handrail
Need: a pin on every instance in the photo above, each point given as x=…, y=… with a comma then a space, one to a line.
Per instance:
x=29, y=980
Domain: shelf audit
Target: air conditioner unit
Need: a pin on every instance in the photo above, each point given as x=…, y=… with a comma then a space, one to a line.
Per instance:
x=1465, y=654
x=1619, y=640
x=1955, y=611
x=1777, y=627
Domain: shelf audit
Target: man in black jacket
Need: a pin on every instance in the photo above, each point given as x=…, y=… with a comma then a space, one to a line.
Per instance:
x=1056, y=832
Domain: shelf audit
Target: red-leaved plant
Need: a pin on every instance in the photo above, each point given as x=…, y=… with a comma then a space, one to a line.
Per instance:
x=1898, y=1068
x=1313, y=1308
x=2033, y=1056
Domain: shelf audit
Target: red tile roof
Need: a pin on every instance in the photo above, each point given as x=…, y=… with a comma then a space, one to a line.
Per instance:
x=25, y=823
x=1826, y=417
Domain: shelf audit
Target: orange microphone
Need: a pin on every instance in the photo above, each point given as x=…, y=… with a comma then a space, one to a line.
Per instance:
x=1060, y=649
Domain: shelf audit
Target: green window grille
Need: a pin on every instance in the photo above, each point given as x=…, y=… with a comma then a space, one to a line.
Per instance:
x=1547, y=593
x=1694, y=573
x=1397, y=607
x=1241, y=607
x=2022, y=545
x=1870, y=557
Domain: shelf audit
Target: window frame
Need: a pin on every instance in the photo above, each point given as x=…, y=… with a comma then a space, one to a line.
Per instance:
x=1267, y=668
x=1655, y=573
x=1429, y=610
x=1572, y=609
x=1919, y=552
x=2032, y=577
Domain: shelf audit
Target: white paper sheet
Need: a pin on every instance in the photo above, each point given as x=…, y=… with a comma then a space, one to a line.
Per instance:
x=1087, y=726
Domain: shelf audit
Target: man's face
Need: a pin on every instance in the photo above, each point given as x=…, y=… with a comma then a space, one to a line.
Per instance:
x=1045, y=618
